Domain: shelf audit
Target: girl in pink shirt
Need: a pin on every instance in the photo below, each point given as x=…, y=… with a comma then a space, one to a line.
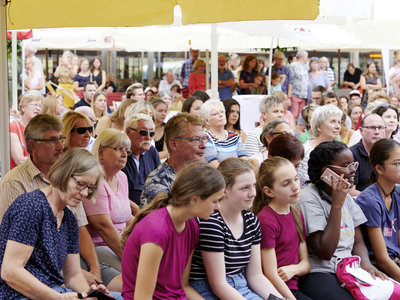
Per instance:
x=283, y=247
x=159, y=244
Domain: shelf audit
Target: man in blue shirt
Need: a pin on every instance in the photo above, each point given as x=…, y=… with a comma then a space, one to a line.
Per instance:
x=144, y=159
x=282, y=70
x=225, y=79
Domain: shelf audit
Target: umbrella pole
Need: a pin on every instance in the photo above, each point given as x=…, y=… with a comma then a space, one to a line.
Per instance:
x=214, y=62
x=15, y=71
x=4, y=122
x=270, y=65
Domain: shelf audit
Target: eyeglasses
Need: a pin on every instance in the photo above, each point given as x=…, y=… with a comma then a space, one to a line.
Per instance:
x=374, y=127
x=144, y=132
x=120, y=150
x=80, y=185
x=195, y=140
x=38, y=105
x=350, y=167
x=82, y=130
x=53, y=140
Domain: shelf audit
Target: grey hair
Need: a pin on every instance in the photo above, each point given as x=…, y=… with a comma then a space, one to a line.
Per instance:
x=163, y=93
x=270, y=127
x=324, y=58
x=133, y=120
x=268, y=102
x=208, y=106
x=320, y=115
x=39, y=125
x=301, y=53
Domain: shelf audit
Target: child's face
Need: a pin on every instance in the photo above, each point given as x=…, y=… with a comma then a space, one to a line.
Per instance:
x=355, y=100
x=274, y=81
x=257, y=81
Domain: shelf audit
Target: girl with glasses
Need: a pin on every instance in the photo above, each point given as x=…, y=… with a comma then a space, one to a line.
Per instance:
x=332, y=222
x=380, y=203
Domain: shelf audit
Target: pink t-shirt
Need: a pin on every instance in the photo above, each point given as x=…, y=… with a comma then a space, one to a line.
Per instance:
x=288, y=116
x=279, y=232
x=157, y=228
x=109, y=203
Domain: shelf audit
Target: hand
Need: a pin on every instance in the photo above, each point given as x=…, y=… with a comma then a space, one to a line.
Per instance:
x=340, y=188
x=287, y=272
x=134, y=208
x=72, y=295
x=100, y=287
x=92, y=277
x=374, y=272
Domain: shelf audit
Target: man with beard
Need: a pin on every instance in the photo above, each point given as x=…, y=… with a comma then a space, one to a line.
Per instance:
x=144, y=159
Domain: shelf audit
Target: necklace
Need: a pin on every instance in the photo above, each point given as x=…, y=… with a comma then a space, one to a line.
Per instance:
x=383, y=191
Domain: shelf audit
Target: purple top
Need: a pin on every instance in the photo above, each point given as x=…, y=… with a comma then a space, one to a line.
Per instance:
x=322, y=79
x=158, y=228
x=116, y=205
x=279, y=232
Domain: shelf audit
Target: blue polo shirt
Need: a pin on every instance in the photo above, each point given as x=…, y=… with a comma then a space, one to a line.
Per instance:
x=148, y=162
x=30, y=220
x=225, y=92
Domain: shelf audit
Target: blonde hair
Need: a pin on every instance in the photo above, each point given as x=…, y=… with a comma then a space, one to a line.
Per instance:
x=50, y=105
x=75, y=161
x=143, y=107
x=28, y=98
x=130, y=91
x=232, y=167
x=119, y=114
x=266, y=177
x=378, y=95
x=110, y=138
x=197, y=63
x=208, y=182
x=69, y=120
x=95, y=96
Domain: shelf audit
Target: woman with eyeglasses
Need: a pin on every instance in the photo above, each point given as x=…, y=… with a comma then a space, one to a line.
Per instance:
x=39, y=248
x=110, y=213
x=222, y=144
x=332, y=222
x=29, y=106
x=380, y=203
x=390, y=115
x=77, y=130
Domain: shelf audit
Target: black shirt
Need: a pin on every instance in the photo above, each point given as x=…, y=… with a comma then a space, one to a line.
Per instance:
x=352, y=78
x=361, y=178
x=82, y=102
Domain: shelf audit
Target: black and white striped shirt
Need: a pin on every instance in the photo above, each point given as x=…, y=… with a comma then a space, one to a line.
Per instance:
x=215, y=236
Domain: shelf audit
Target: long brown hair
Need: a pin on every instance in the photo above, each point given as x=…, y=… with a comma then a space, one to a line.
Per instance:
x=195, y=179
x=266, y=177
x=230, y=168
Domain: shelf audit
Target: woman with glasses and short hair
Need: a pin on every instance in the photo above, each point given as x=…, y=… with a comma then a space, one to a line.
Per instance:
x=110, y=213
x=39, y=234
x=77, y=130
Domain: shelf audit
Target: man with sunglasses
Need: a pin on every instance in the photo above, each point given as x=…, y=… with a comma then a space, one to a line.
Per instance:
x=372, y=130
x=144, y=159
x=186, y=142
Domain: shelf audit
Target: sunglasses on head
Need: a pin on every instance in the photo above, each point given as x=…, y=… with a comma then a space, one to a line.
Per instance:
x=82, y=130
x=144, y=132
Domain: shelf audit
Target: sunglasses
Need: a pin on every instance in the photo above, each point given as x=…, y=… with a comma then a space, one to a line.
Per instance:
x=144, y=132
x=82, y=130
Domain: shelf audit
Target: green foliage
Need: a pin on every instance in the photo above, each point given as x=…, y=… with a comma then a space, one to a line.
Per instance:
x=9, y=48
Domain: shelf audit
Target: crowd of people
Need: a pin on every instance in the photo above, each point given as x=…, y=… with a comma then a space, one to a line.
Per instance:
x=165, y=196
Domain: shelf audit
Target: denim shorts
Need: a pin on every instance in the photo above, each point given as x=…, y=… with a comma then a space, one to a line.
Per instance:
x=238, y=281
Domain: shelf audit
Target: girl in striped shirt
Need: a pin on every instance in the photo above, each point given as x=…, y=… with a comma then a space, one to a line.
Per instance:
x=227, y=262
